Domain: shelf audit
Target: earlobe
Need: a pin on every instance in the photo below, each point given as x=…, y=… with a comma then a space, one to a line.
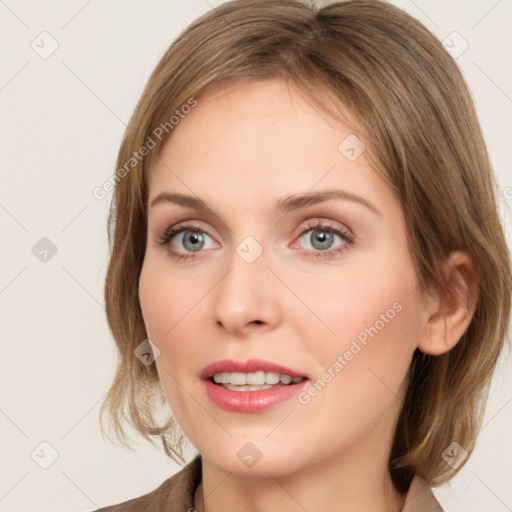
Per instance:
x=450, y=313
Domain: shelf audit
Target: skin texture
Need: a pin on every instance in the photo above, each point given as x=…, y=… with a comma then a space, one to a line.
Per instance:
x=243, y=147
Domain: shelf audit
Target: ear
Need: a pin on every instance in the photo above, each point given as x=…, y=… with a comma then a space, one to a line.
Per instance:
x=449, y=314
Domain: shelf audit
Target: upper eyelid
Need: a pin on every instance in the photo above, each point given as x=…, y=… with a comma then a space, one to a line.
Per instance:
x=325, y=211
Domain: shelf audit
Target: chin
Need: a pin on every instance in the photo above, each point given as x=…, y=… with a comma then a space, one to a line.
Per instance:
x=254, y=458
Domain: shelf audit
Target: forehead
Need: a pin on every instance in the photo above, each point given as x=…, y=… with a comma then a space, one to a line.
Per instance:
x=259, y=139
x=272, y=99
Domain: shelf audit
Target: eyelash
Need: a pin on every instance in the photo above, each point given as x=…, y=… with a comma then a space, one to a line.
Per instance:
x=346, y=236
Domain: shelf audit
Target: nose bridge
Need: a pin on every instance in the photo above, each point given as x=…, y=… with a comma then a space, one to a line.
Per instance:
x=246, y=294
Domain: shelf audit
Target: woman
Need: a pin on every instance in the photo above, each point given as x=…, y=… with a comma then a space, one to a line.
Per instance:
x=306, y=259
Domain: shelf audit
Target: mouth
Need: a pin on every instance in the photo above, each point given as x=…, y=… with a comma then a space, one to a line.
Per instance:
x=250, y=386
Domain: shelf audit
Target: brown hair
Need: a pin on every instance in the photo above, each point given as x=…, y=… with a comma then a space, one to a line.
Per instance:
x=416, y=112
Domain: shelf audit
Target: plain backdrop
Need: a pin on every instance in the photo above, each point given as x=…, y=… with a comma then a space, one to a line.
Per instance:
x=71, y=73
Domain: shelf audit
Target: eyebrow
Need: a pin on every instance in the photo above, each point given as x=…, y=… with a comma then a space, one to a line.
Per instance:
x=284, y=205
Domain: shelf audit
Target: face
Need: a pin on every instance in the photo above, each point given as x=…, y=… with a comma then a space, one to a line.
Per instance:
x=323, y=288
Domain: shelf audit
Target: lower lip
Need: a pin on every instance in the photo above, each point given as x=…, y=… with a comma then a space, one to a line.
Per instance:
x=251, y=401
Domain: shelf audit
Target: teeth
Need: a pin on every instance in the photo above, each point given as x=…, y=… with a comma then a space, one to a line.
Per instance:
x=231, y=387
x=258, y=379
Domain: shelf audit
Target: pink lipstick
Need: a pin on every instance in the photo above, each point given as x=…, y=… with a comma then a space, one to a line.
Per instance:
x=251, y=386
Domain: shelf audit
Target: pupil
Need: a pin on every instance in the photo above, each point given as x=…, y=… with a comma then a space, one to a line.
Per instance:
x=194, y=240
x=324, y=237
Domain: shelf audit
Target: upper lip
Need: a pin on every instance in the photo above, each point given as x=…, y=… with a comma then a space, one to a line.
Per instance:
x=251, y=365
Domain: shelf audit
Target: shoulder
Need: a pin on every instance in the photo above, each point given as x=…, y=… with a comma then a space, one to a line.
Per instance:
x=420, y=497
x=176, y=494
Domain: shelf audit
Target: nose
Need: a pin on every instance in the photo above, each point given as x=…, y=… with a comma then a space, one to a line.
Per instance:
x=246, y=298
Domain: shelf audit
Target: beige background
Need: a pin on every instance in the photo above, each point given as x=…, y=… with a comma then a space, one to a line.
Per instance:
x=62, y=118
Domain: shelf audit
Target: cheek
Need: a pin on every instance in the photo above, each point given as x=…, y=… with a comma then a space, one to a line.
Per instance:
x=371, y=317
x=363, y=367
x=164, y=317
x=174, y=308
x=167, y=300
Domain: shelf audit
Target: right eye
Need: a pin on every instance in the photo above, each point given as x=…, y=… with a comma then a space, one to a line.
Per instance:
x=191, y=238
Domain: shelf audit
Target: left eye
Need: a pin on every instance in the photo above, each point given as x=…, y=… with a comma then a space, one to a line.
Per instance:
x=322, y=239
